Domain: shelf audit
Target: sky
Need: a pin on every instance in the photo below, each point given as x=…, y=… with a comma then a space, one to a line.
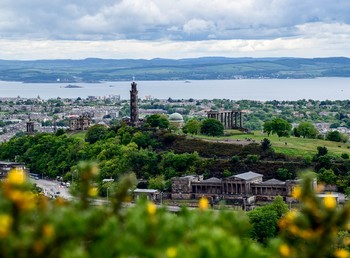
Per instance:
x=77, y=29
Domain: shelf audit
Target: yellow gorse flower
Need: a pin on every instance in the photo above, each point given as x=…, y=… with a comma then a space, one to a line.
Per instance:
x=330, y=202
x=341, y=253
x=16, y=177
x=48, y=230
x=151, y=208
x=93, y=191
x=5, y=225
x=203, y=203
x=171, y=252
x=284, y=250
x=296, y=193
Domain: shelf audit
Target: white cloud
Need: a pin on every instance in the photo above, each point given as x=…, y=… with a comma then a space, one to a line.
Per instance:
x=151, y=28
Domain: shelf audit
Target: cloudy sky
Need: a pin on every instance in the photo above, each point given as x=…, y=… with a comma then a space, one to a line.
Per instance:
x=45, y=29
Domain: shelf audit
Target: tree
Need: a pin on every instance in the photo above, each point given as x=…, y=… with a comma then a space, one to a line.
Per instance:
x=212, y=127
x=267, y=127
x=307, y=130
x=95, y=133
x=158, y=120
x=334, y=136
x=193, y=126
x=327, y=176
x=277, y=126
x=283, y=174
x=321, y=151
x=266, y=144
x=264, y=220
x=156, y=183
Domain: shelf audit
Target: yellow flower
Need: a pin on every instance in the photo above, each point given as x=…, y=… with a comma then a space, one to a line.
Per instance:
x=16, y=177
x=151, y=208
x=294, y=229
x=329, y=202
x=341, y=253
x=28, y=201
x=171, y=252
x=93, y=191
x=48, y=230
x=5, y=225
x=203, y=203
x=306, y=234
x=346, y=241
x=94, y=170
x=284, y=250
x=296, y=193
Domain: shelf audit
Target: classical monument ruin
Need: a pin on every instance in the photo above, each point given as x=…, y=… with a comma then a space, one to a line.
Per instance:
x=244, y=187
x=134, y=110
x=230, y=119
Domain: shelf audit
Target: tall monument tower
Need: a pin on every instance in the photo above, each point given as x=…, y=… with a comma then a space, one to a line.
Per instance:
x=134, y=110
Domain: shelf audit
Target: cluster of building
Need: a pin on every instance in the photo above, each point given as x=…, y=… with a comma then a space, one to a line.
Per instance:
x=242, y=188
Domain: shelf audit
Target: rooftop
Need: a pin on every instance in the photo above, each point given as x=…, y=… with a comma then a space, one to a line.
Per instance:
x=247, y=175
x=273, y=181
x=212, y=180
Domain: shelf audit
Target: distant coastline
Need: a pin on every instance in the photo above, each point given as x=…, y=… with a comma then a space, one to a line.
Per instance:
x=93, y=70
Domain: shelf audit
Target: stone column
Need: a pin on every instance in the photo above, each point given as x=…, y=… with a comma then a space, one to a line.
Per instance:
x=240, y=120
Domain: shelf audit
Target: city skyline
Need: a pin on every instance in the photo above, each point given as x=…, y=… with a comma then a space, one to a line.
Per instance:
x=116, y=29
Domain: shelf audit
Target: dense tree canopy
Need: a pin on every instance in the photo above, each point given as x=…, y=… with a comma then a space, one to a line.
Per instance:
x=277, y=126
x=193, y=126
x=157, y=120
x=212, y=127
x=307, y=130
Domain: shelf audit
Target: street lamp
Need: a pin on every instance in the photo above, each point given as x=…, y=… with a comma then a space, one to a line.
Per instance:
x=107, y=193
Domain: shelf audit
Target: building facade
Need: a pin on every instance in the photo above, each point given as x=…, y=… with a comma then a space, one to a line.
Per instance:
x=240, y=186
x=82, y=122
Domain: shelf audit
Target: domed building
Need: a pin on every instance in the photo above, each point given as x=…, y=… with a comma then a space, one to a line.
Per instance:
x=176, y=120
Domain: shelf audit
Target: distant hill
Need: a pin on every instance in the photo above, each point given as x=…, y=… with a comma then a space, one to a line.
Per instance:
x=204, y=68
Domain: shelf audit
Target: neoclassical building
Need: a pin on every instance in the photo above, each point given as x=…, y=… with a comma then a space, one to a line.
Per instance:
x=242, y=185
x=232, y=119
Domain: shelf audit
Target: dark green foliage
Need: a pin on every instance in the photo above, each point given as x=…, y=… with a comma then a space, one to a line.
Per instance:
x=60, y=132
x=235, y=159
x=345, y=156
x=283, y=174
x=266, y=144
x=96, y=133
x=252, y=158
x=321, y=151
x=212, y=127
x=277, y=126
x=264, y=220
x=334, y=136
x=158, y=121
x=307, y=130
x=326, y=176
x=193, y=126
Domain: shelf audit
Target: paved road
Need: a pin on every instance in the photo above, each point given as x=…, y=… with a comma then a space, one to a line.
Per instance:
x=53, y=188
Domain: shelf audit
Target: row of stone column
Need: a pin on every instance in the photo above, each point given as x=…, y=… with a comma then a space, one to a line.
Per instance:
x=229, y=119
x=268, y=190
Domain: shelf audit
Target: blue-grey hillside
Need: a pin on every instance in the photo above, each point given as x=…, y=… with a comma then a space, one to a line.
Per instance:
x=204, y=68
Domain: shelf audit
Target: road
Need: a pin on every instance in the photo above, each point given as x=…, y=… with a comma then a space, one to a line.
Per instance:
x=53, y=188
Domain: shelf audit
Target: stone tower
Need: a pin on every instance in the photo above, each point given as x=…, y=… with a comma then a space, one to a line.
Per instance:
x=30, y=125
x=134, y=110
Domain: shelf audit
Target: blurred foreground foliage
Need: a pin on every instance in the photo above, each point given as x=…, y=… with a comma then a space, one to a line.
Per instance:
x=33, y=226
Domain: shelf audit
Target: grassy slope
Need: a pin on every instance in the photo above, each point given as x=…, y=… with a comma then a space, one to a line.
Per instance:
x=295, y=146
